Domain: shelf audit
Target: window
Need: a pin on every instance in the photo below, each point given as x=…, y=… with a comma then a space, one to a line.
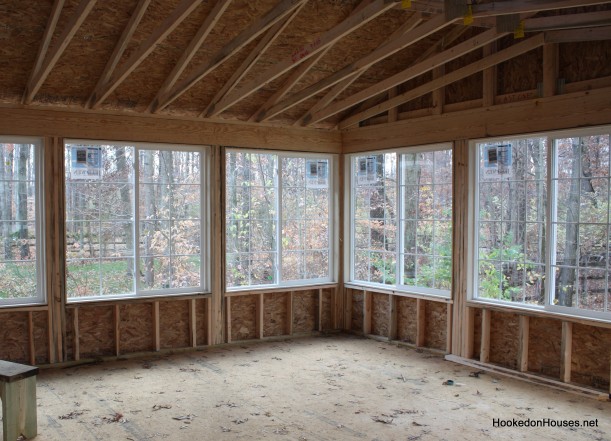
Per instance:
x=21, y=250
x=543, y=223
x=401, y=219
x=134, y=220
x=278, y=218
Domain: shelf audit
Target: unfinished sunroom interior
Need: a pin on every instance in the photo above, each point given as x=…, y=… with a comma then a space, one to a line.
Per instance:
x=305, y=219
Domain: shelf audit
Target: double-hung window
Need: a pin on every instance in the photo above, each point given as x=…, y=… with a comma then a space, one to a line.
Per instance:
x=136, y=220
x=21, y=244
x=541, y=224
x=401, y=219
x=279, y=217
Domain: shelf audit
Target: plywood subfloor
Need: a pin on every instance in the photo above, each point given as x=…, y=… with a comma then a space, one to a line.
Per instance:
x=326, y=388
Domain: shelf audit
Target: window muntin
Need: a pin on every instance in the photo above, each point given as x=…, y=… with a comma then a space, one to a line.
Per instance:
x=278, y=219
x=21, y=250
x=134, y=220
x=543, y=232
x=401, y=209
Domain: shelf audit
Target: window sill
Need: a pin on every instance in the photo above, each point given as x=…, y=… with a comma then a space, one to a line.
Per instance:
x=400, y=293
x=134, y=299
x=274, y=288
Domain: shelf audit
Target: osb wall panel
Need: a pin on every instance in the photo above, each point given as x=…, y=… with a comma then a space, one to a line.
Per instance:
x=545, y=339
x=582, y=61
x=97, y=331
x=201, y=317
x=591, y=353
x=357, y=311
x=136, y=331
x=380, y=314
x=41, y=336
x=477, y=332
x=174, y=324
x=14, y=337
x=504, y=333
x=305, y=311
x=327, y=308
x=243, y=317
x=275, y=314
x=520, y=73
x=406, y=319
x=69, y=341
x=435, y=319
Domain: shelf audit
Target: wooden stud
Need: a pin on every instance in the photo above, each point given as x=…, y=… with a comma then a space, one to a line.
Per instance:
x=550, y=69
x=217, y=239
x=182, y=11
x=573, y=35
x=117, y=319
x=156, y=326
x=438, y=94
x=393, y=305
x=209, y=336
x=367, y=304
x=193, y=322
x=289, y=313
x=393, y=112
x=566, y=349
x=77, y=336
x=348, y=309
x=228, y=315
x=489, y=78
x=449, y=328
x=484, y=355
x=50, y=351
x=320, y=309
x=260, y=314
x=32, y=348
x=420, y=322
x=523, y=343
x=468, y=335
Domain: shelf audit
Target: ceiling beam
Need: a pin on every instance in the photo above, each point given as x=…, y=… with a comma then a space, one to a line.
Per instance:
x=439, y=59
x=121, y=45
x=51, y=58
x=204, y=30
x=260, y=25
x=250, y=61
x=347, y=26
x=301, y=70
x=182, y=11
x=463, y=72
x=422, y=31
x=572, y=35
x=408, y=26
x=572, y=21
x=525, y=6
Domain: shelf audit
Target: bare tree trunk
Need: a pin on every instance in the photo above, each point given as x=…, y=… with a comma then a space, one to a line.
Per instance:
x=126, y=201
x=411, y=174
x=149, y=207
x=7, y=211
x=22, y=201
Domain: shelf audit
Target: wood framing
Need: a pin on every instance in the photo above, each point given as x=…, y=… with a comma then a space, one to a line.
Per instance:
x=420, y=322
x=566, y=351
x=392, y=315
x=523, y=343
x=367, y=312
x=484, y=354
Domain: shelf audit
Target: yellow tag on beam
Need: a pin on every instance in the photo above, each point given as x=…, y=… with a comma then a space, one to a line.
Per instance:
x=468, y=16
x=406, y=4
x=519, y=32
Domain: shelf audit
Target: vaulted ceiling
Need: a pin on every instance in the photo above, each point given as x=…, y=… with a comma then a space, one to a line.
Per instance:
x=319, y=63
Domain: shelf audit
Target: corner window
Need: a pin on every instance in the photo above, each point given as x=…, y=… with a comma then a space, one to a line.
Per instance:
x=21, y=250
x=278, y=219
x=542, y=222
x=135, y=220
x=401, y=220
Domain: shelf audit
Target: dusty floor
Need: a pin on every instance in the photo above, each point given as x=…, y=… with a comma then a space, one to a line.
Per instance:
x=329, y=388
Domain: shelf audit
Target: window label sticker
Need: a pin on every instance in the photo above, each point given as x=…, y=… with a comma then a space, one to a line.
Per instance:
x=317, y=173
x=498, y=162
x=85, y=162
x=367, y=171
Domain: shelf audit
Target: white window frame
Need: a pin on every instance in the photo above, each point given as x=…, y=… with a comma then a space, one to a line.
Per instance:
x=40, y=298
x=350, y=204
x=550, y=231
x=333, y=222
x=205, y=218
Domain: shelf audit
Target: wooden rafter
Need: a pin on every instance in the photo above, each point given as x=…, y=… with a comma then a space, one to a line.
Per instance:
x=201, y=35
x=525, y=6
x=407, y=26
x=392, y=47
x=572, y=21
x=182, y=11
x=473, y=68
x=300, y=71
x=121, y=45
x=570, y=35
x=50, y=58
x=250, y=61
x=280, y=11
x=347, y=26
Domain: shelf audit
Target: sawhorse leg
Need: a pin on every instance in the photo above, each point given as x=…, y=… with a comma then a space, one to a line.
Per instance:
x=19, y=409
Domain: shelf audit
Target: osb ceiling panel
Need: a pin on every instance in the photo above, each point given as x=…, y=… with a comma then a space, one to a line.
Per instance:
x=72, y=67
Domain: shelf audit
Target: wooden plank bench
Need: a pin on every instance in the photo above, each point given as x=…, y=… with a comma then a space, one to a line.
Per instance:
x=18, y=395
